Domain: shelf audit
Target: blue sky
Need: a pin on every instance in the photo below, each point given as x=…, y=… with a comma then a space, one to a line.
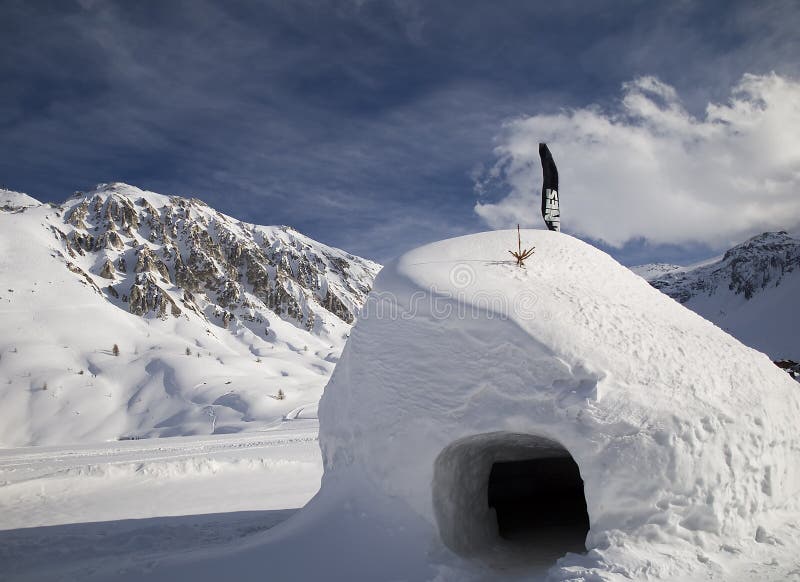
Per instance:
x=378, y=126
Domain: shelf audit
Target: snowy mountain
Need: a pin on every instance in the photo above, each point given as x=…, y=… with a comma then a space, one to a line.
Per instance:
x=13, y=201
x=217, y=323
x=751, y=291
x=652, y=271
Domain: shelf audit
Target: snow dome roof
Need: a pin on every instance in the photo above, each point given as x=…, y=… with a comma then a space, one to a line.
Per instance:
x=461, y=361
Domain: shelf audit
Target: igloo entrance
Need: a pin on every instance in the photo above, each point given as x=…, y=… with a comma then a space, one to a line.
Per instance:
x=506, y=495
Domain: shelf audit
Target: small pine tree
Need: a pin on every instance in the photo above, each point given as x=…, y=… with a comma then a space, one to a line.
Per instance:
x=44, y=387
x=280, y=395
x=115, y=350
x=521, y=254
x=188, y=351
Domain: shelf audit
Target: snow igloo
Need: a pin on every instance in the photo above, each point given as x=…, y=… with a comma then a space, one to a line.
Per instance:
x=563, y=417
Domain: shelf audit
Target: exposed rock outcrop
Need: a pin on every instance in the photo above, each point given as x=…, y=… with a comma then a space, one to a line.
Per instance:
x=185, y=253
x=107, y=271
x=146, y=296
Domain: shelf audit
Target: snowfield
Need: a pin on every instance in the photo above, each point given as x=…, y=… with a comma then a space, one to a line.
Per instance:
x=66, y=513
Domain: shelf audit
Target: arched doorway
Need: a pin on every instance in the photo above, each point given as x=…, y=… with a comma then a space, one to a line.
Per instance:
x=510, y=497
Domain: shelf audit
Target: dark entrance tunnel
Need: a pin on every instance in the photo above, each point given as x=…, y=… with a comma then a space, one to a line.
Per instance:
x=509, y=498
x=538, y=498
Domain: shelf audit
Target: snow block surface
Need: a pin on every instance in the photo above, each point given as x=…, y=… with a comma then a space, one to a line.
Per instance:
x=684, y=438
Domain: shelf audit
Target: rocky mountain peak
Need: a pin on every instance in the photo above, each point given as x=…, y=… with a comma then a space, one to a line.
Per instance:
x=168, y=256
x=745, y=269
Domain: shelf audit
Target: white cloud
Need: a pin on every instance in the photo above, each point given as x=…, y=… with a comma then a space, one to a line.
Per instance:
x=653, y=170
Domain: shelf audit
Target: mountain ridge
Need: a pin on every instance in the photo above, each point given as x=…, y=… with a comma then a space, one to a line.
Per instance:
x=750, y=291
x=183, y=243
x=219, y=325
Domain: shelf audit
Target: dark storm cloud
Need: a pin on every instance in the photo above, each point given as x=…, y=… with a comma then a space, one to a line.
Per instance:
x=359, y=123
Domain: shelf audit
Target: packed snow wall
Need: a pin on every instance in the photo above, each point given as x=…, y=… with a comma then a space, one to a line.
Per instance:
x=570, y=380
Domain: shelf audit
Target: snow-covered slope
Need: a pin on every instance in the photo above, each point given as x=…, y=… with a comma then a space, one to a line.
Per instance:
x=751, y=292
x=11, y=201
x=652, y=271
x=212, y=317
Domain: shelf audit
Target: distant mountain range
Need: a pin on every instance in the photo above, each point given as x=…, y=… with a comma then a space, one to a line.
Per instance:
x=752, y=291
x=218, y=323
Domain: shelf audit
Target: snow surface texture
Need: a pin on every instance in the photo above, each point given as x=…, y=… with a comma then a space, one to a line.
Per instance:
x=751, y=292
x=228, y=314
x=685, y=439
x=69, y=512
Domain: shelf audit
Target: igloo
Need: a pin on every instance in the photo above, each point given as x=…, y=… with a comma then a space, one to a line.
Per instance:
x=497, y=418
